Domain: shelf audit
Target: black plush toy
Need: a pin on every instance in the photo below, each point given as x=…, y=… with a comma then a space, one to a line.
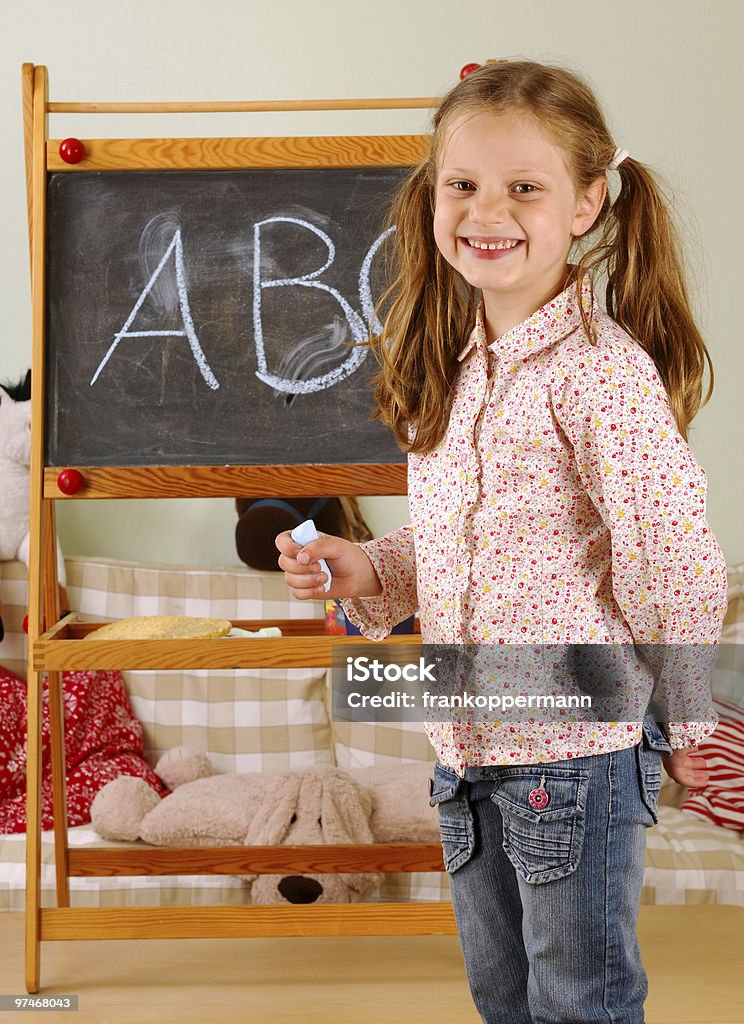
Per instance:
x=261, y=519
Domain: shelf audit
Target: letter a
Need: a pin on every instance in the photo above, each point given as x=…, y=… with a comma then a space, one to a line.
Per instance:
x=189, y=332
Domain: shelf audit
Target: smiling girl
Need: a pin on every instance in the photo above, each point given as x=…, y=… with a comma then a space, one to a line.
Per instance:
x=553, y=500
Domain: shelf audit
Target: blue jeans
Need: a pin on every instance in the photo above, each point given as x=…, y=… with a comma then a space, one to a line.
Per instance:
x=546, y=898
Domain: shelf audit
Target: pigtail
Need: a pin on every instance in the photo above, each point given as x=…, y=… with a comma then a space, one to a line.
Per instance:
x=431, y=311
x=646, y=289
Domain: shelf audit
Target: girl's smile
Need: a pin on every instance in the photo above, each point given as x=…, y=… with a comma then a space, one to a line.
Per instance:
x=506, y=214
x=492, y=248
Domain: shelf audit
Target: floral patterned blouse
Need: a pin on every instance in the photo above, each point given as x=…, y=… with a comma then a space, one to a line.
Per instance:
x=561, y=507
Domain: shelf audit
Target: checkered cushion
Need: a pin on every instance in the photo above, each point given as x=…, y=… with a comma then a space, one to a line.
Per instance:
x=361, y=744
x=689, y=860
x=247, y=720
x=125, y=891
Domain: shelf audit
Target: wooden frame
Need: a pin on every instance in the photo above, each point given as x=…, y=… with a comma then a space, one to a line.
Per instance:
x=59, y=647
x=228, y=154
x=228, y=481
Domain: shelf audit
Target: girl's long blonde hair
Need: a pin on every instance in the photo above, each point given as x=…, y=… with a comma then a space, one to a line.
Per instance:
x=431, y=309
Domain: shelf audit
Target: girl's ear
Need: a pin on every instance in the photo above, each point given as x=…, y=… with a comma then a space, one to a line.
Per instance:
x=588, y=206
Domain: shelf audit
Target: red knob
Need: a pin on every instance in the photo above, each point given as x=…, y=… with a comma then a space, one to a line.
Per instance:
x=72, y=151
x=70, y=481
x=25, y=624
x=468, y=69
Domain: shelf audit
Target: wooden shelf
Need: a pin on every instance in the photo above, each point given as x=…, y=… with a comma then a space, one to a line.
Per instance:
x=141, y=859
x=252, y=921
x=305, y=645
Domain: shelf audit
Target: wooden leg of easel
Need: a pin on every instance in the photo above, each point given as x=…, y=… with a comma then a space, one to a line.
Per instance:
x=56, y=713
x=33, y=835
x=59, y=788
x=27, y=93
x=35, y=118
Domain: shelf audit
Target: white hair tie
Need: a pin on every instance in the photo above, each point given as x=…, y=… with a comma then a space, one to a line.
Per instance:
x=620, y=155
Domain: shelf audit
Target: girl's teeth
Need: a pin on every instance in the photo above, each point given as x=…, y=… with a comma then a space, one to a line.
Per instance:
x=508, y=244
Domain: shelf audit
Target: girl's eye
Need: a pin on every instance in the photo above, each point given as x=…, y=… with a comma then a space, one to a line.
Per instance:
x=523, y=188
x=462, y=186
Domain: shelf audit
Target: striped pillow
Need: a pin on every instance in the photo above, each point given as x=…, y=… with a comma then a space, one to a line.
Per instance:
x=722, y=799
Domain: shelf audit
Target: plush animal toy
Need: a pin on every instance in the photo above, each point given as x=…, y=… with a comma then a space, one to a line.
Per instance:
x=261, y=519
x=320, y=804
x=15, y=460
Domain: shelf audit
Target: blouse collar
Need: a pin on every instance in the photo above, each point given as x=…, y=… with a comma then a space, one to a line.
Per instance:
x=547, y=325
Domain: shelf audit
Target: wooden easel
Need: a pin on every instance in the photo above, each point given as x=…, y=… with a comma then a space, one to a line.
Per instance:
x=303, y=644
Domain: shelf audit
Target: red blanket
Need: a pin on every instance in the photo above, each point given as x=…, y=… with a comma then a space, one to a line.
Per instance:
x=103, y=739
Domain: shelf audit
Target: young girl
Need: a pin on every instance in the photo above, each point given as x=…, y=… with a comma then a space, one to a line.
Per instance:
x=553, y=500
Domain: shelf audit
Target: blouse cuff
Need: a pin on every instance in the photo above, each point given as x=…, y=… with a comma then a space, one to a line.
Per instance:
x=685, y=735
x=393, y=560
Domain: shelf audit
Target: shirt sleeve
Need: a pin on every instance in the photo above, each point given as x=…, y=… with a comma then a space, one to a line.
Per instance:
x=394, y=560
x=668, y=572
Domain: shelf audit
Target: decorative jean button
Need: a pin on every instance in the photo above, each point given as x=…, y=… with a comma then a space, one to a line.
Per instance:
x=539, y=798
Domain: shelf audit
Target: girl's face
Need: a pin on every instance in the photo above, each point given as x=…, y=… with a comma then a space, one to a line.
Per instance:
x=507, y=212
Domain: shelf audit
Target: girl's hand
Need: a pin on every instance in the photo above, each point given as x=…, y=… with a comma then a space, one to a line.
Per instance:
x=686, y=767
x=353, y=573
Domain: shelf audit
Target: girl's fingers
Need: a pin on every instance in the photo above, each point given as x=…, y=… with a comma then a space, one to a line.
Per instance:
x=306, y=586
x=301, y=581
x=293, y=557
x=313, y=594
x=284, y=542
x=302, y=574
x=698, y=772
x=292, y=565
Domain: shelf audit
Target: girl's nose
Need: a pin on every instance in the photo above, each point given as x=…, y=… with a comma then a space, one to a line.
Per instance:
x=489, y=208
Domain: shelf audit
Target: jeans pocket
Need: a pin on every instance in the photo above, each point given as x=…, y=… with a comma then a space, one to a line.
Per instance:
x=648, y=754
x=649, y=778
x=543, y=844
x=653, y=737
x=455, y=818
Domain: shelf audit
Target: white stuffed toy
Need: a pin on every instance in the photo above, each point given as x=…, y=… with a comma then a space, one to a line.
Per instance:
x=15, y=461
x=319, y=804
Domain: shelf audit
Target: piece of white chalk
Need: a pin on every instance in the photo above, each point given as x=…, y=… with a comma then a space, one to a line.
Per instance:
x=303, y=534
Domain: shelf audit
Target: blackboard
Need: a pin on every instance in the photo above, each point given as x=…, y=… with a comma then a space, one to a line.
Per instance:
x=203, y=317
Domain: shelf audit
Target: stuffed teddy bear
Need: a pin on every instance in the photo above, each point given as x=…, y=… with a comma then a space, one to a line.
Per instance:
x=319, y=804
x=15, y=461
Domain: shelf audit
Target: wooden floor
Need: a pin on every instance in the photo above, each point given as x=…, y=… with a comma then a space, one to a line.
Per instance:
x=693, y=956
